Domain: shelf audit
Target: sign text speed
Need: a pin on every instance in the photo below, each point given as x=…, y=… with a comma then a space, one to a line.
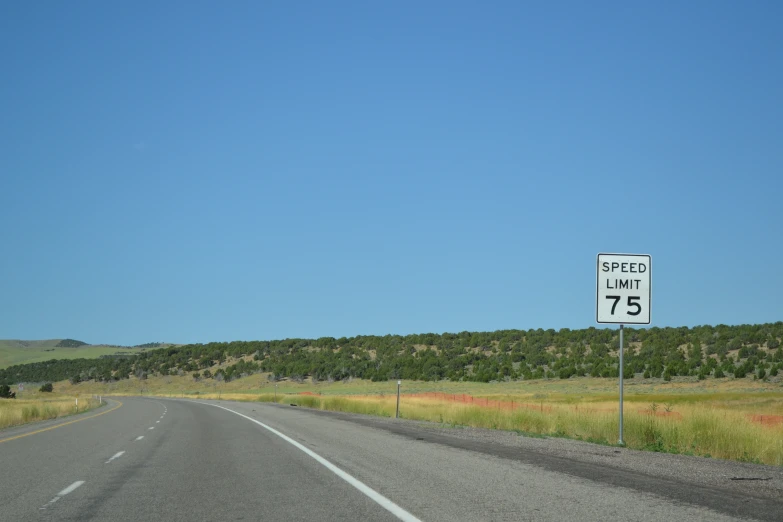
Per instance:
x=623, y=288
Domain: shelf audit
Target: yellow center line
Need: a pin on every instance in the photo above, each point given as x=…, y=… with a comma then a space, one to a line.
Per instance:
x=61, y=425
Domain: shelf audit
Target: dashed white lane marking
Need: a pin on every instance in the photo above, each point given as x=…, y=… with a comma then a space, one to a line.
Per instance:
x=115, y=456
x=152, y=428
x=379, y=499
x=70, y=488
x=64, y=492
x=139, y=438
x=55, y=499
x=157, y=422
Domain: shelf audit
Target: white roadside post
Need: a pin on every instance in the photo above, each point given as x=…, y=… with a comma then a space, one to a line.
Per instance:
x=399, y=383
x=623, y=296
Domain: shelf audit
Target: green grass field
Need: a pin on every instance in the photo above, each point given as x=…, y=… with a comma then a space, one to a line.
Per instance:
x=14, y=352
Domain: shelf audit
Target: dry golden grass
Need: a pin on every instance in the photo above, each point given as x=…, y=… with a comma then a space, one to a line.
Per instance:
x=14, y=412
x=691, y=429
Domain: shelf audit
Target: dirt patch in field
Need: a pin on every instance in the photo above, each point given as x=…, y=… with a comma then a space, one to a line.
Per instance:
x=478, y=401
x=767, y=420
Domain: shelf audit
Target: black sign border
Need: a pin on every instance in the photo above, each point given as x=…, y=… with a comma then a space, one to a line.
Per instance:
x=598, y=268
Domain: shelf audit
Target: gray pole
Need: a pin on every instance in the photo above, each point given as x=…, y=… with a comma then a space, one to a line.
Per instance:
x=621, y=387
x=398, y=399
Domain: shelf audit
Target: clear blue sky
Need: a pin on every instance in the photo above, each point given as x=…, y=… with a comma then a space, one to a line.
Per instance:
x=194, y=172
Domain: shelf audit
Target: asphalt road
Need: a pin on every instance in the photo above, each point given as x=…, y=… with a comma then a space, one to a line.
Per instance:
x=166, y=459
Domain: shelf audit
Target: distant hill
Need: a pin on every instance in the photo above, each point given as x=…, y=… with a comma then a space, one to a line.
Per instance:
x=70, y=343
x=15, y=351
x=15, y=343
x=737, y=352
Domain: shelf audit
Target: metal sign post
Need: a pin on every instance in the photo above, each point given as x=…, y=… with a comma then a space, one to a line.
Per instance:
x=623, y=296
x=621, y=441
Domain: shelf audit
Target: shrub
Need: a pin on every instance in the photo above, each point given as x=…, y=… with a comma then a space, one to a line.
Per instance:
x=48, y=388
x=566, y=373
x=5, y=391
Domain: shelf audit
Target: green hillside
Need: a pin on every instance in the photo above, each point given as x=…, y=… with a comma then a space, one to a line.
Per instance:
x=14, y=352
x=741, y=351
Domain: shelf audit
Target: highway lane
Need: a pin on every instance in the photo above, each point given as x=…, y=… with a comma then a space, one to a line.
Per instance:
x=179, y=461
x=221, y=460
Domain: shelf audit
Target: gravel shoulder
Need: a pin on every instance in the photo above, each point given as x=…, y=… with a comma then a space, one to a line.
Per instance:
x=740, y=490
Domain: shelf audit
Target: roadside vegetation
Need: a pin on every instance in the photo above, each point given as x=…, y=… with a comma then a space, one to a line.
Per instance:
x=687, y=428
x=31, y=407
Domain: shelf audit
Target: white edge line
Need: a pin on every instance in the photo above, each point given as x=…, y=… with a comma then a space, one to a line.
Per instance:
x=70, y=488
x=379, y=499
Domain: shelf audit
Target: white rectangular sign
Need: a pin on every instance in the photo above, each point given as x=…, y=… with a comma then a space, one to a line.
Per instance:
x=623, y=288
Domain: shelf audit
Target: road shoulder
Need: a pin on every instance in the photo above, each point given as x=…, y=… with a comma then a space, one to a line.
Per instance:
x=734, y=488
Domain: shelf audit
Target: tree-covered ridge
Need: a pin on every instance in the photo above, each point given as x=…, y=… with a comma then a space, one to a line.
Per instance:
x=70, y=343
x=701, y=351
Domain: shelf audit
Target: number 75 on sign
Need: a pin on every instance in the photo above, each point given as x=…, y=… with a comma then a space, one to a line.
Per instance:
x=623, y=284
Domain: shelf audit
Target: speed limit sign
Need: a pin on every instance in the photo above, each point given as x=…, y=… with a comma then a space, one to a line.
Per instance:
x=623, y=288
